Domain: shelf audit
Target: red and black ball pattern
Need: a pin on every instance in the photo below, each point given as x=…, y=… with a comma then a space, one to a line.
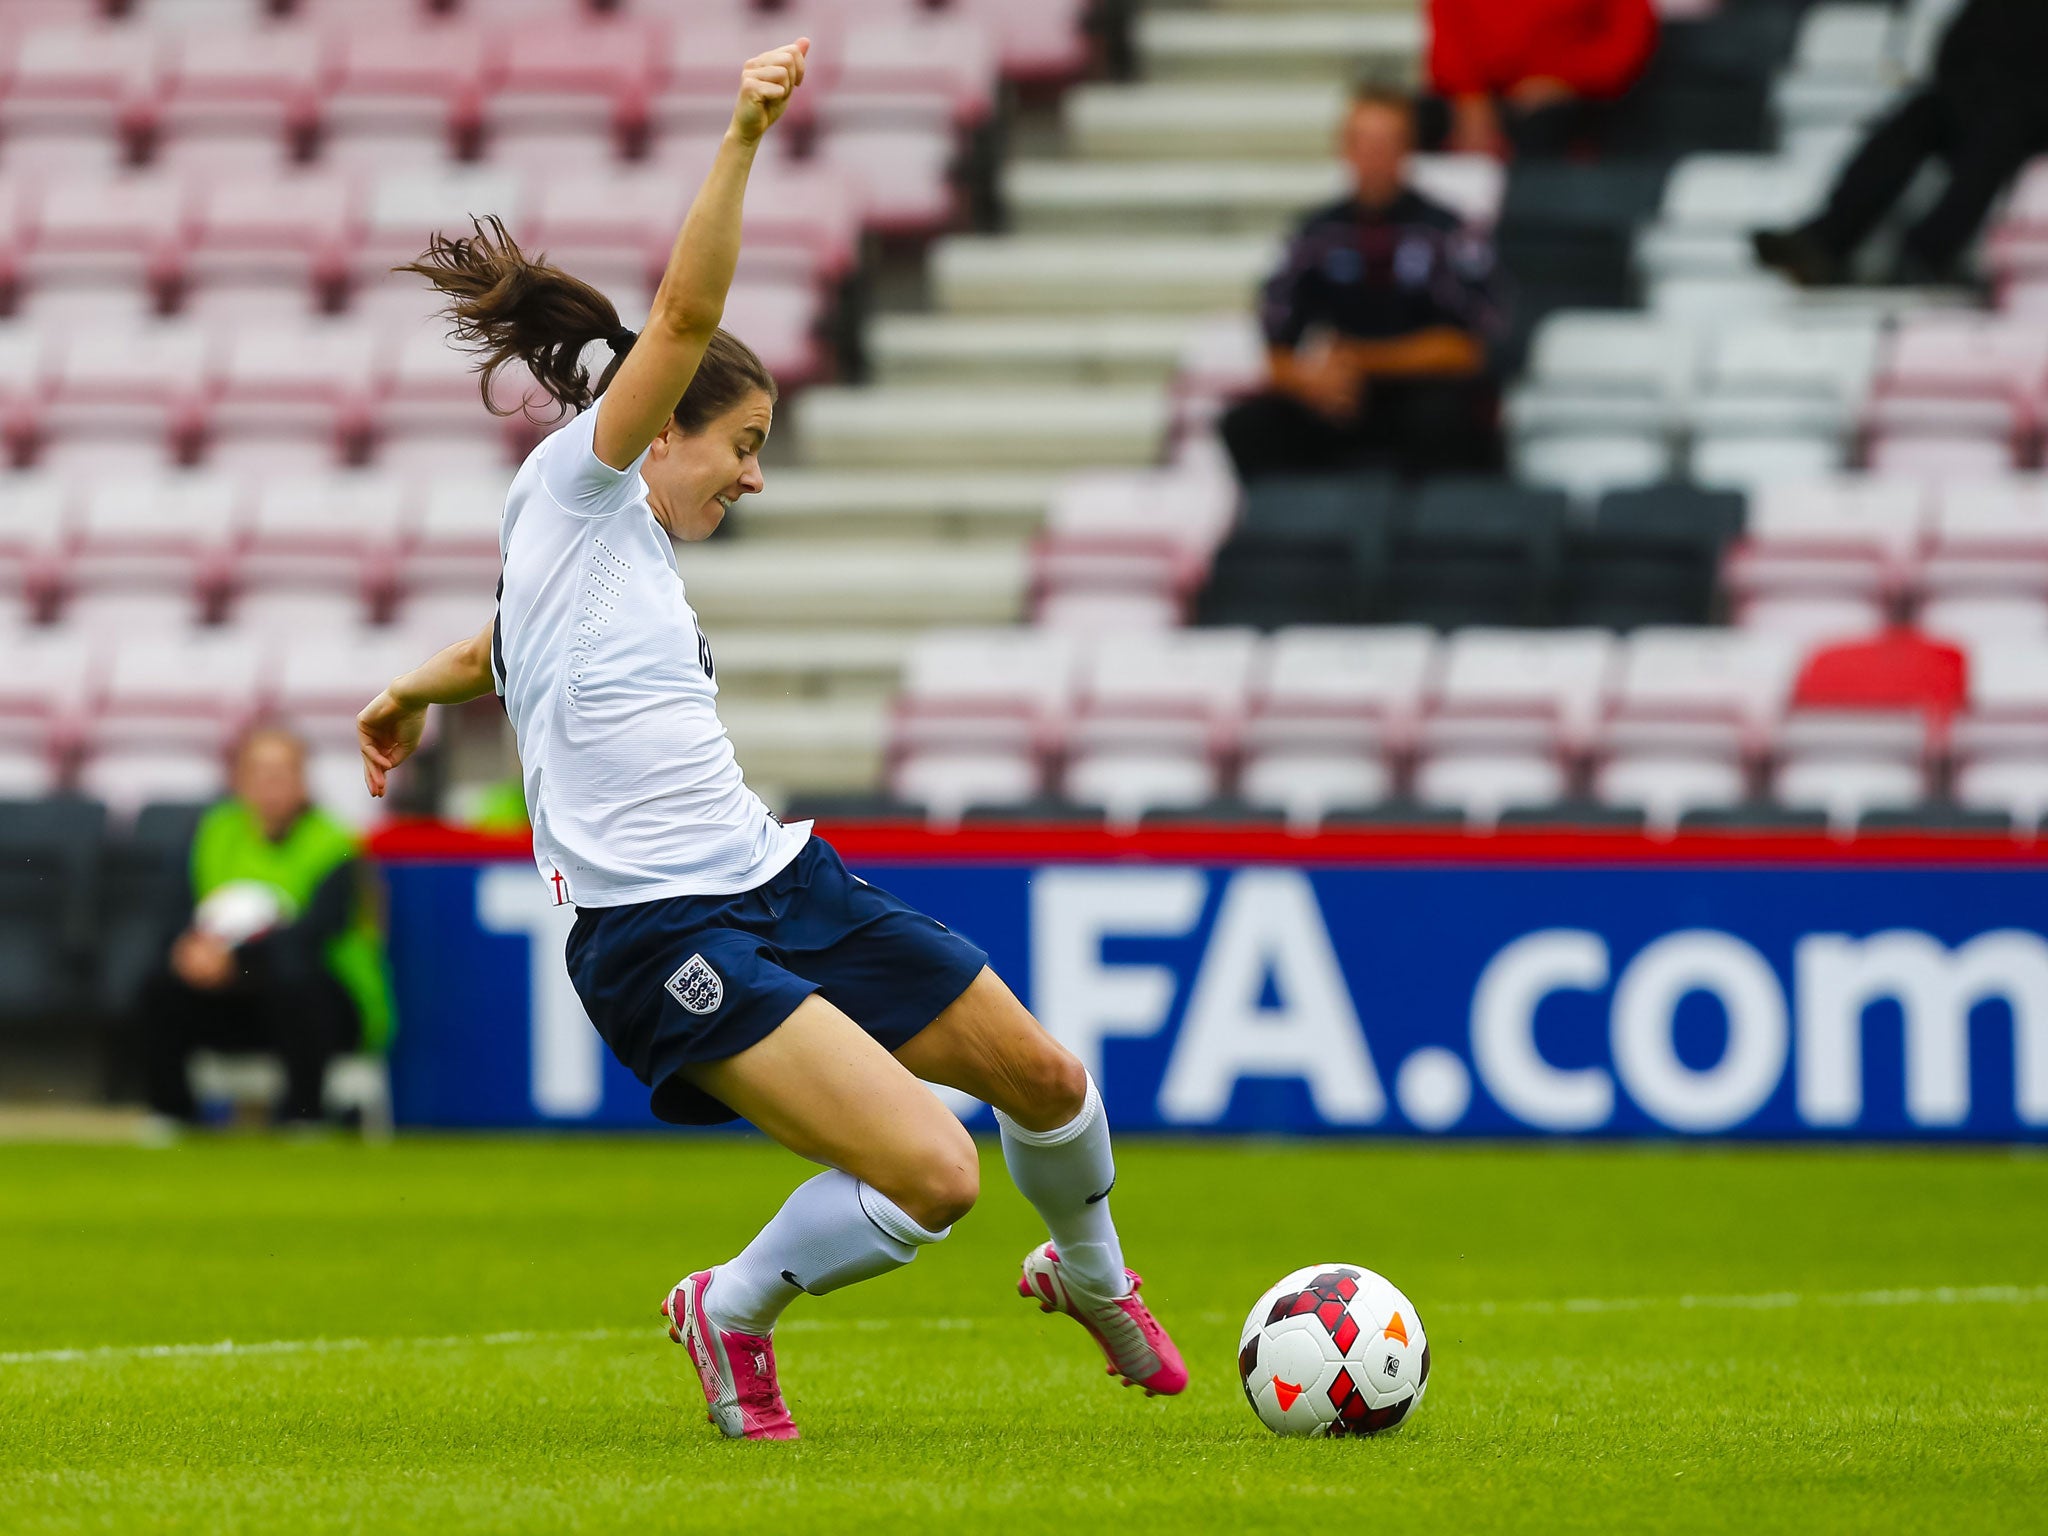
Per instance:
x=1329, y=1296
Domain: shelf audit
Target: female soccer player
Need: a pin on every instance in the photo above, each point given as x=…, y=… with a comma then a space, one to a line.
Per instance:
x=730, y=960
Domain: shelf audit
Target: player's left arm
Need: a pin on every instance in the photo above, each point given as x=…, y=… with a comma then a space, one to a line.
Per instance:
x=390, y=726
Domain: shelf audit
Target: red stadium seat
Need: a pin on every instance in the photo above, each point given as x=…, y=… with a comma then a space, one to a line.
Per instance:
x=1900, y=669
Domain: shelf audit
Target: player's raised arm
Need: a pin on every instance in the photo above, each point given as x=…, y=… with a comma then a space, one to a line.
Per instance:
x=390, y=726
x=690, y=300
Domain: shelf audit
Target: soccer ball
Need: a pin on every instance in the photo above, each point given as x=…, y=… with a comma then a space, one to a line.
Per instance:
x=1333, y=1350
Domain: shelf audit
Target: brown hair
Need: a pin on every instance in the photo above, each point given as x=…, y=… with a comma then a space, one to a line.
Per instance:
x=1376, y=91
x=507, y=305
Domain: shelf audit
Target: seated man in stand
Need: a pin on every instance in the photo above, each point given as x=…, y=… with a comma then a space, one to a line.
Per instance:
x=278, y=948
x=1377, y=326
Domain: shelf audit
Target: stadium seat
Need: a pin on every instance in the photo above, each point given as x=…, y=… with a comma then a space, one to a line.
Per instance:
x=336, y=530
x=947, y=784
x=144, y=877
x=1182, y=691
x=1514, y=688
x=1126, y=784
x=1350, y=689
x=78, y=78
x=311, y=380
x=1849, y=789
x=977, y=689
x=126, y=229
x=904, y=176
x=1475, y=552
x=1308, y=786
x=126, y=779
x=406, y=206
x=273, y=230
x=128, y=382
x=455, y=541
x=1967, y=617
x=170, y=532
x=1664, y=788
x=262, y=80
x=49, y=852
x=2015, y=787
x=1988, y=538
x=552, y=72
x=407, y=79
x=1899, y=669
x=191, y=690
x=1482, y=786
x=922, y=71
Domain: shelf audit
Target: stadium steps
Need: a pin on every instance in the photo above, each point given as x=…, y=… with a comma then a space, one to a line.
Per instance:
x=1298, y=45
x=771, y=664
x=900, y=426
x=1221, y=121
x=1221, y=196
x=815, y=744
x=897, y=504
x=854, y=582
x=1020, y=349
x=1044, y=274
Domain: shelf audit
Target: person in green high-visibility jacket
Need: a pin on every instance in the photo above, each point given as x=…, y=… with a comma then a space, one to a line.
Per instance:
x=281, y=948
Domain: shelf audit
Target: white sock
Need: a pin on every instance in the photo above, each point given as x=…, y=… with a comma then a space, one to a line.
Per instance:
x=1066, y=1174
x=832, y=1231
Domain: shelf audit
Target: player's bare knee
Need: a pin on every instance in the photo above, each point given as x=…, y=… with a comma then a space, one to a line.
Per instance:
x=1050, y=1086
x=942, y=1189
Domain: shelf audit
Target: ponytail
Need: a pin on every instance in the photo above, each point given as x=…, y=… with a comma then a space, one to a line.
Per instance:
x=506, y=306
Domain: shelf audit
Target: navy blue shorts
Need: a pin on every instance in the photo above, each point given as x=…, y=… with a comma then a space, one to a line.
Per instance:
x=701, y=978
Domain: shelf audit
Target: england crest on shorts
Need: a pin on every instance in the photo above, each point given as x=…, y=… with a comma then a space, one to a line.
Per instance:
x=696, y=986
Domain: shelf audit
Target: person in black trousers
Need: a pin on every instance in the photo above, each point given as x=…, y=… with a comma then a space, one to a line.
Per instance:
x=1984, y=114
x=1378, y=325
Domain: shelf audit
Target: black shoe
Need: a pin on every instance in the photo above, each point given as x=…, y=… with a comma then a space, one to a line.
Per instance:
x=1799, y=254
x=1912, y=270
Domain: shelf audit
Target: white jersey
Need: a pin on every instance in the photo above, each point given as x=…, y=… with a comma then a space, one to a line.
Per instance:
x=630, y=779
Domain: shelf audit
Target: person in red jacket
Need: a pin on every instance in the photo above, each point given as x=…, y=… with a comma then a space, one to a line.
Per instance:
x=1527, y=75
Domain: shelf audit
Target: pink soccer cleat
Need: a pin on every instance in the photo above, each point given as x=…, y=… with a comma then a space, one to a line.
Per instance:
x=1136, y=1347
x=737, y=1370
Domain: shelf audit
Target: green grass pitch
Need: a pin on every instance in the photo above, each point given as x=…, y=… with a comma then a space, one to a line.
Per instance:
x=460, y=1335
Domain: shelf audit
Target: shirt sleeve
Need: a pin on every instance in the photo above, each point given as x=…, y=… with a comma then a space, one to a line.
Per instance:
x=1606, y=61
x=577, y=480
x=1284, y=308
x=1453, y=71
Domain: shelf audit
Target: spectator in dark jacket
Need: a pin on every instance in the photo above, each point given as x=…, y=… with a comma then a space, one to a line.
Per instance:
x=279, y=948
x=1983, y=113
x=1532, y=75
x=1377, y=327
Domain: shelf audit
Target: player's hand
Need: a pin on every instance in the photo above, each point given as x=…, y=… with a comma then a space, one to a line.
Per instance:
x=766, y=86
x=388, y=733
x=202, y=961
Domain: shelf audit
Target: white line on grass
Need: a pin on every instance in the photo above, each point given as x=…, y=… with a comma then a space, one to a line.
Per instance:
x=1938, y=1296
